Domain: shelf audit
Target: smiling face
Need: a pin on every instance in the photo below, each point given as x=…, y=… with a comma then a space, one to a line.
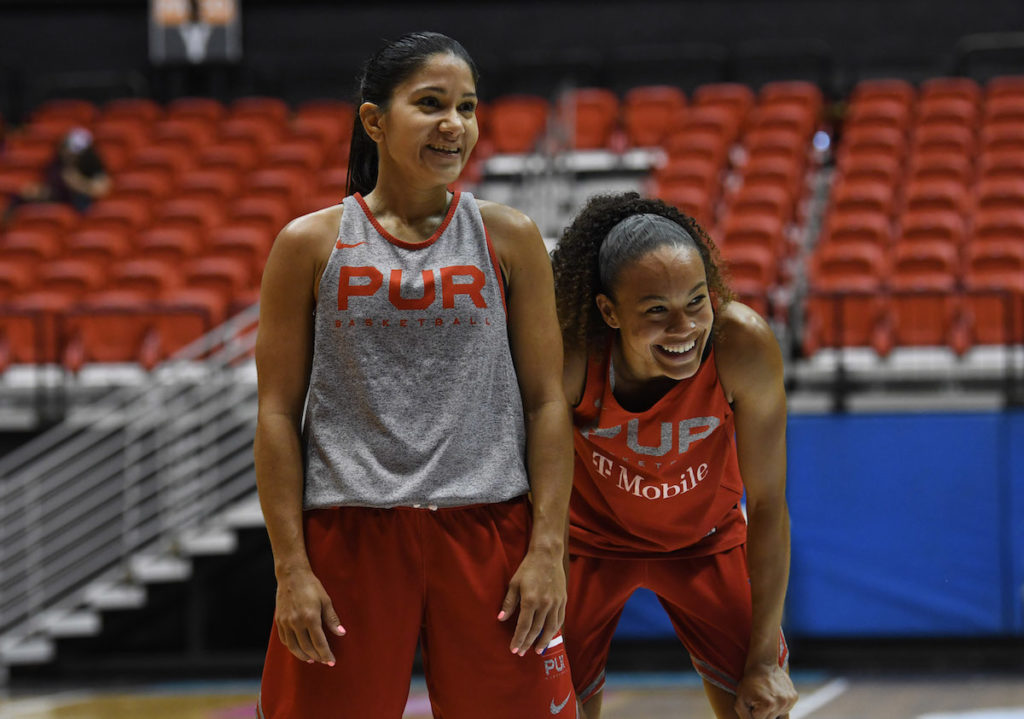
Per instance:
x=428, y=130
x=663, y=313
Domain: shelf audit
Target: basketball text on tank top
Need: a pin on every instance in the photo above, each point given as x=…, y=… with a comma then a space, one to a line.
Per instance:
x=413, y=397
x=665, y=481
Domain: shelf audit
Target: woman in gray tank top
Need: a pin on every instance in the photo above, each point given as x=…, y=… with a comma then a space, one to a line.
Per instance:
x=413, y=448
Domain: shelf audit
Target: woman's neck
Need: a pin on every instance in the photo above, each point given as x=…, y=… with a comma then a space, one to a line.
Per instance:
x=407, y=204
x=633, y=392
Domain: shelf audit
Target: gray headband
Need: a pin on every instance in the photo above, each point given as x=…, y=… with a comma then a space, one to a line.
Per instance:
x=636, y=236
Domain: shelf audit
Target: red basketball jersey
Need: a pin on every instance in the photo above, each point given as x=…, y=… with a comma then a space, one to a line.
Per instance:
x=661, y=482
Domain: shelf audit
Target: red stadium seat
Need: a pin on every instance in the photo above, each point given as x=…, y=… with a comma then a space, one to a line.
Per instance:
x=150, y=278
x=306, y=155
x=845, y=306
x=1004, y=109
x=1001, y=164
x=1002, y=137
x=701, y=173
x=134, y=109
x=691, y=201
x=763, y=200
x=998, y=226
x=942, y=166
x=286, y=183
x=883, y=169
x=963, y=88
x=195, y=214
x=220, y=183
x=238, y=155
x=753, y=272
x=924, y=302
x=76, y=112
x=121, y=213
x=99, y=246
x=736, y=97
x=930, y=195
x=202, y=107
x=800, y=93
x=28, y=250
x=887, y=88
x=173, y=245
x=46, y=216
x=1004, y=85
x=518, y=122
x=858, y=228
x=955, y=139
x=994, y=293
x=72, y=278
x=244, y=245
x=942, y=110
x=595, y=114
x=932, y=226
x=707, y=146
x=272, y=108
x=225, y=275
x=764, y=232
x=996, y=193
x=882, y=112
x=650, y=113
x=266, y=214
x=263, y=133
x=862, y=196
x=881, y=140
x=29, y=328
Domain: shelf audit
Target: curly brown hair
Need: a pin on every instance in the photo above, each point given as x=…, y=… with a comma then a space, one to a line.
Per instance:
x=578, y=273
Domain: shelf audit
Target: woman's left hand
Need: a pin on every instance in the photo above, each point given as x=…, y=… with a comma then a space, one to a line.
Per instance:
x=765, y=694
x=538, y=588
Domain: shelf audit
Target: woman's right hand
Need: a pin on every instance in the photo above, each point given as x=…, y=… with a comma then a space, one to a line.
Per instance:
x=303, y=610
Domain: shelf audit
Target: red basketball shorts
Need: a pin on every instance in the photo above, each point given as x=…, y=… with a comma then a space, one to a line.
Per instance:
x=402, y=576
x=707, y=600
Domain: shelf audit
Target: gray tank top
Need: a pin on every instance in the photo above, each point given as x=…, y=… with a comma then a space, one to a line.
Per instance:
x=413, y=398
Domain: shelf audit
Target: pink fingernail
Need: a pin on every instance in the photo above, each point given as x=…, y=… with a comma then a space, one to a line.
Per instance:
x=341, y=630
x=515, y=651
x=330, y=663
x=501, y=615
x=310, y=661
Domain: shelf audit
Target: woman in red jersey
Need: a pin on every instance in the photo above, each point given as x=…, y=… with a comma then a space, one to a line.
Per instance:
x=678, y=406
x=410, y=401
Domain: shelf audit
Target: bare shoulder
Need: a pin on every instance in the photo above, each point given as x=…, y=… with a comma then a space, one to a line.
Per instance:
x=310, y=234
x=515, y=237
x=746, y=350
x=506, y=222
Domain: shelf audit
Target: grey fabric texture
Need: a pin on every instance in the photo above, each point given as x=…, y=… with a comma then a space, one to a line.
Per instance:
x=413, y=397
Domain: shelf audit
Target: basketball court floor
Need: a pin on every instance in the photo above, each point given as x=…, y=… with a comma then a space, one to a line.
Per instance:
x=628, y=696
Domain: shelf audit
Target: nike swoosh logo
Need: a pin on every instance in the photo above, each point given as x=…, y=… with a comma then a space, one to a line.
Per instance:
x=557, y=708
x=342, y=245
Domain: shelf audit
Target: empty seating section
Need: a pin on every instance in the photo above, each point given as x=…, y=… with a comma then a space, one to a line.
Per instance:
x=920, y=237
x=199, y=190
x=930, y=181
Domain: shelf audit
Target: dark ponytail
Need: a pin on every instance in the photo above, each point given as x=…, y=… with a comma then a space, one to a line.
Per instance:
x=388, y=68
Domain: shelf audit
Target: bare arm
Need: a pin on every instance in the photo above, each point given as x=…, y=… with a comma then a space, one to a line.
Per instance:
x=539, y=585
x=750, y=365
x=284, y=349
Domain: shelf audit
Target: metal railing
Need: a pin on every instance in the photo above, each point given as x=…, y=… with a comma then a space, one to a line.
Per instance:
x=130, y=473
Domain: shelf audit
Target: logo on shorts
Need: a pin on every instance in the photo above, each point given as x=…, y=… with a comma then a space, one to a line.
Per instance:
x=557, y=708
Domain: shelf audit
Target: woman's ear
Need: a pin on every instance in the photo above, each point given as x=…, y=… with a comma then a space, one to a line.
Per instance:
x=371, y=115
x=607, y=308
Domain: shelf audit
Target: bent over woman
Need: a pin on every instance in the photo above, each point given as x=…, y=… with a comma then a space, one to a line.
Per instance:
x=678, y=408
